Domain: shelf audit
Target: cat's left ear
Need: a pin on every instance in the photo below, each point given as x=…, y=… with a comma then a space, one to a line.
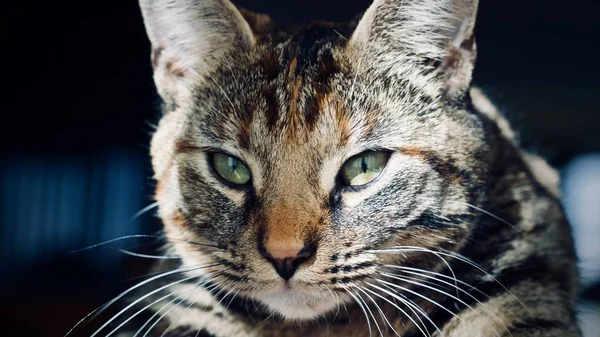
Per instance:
x=190, y=39
x=431, y=42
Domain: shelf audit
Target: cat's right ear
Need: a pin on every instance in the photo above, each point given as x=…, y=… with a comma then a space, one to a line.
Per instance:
x=190, y=39
x=429, y=42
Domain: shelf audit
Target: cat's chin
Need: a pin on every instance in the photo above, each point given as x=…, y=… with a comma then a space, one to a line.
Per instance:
x=298, y=306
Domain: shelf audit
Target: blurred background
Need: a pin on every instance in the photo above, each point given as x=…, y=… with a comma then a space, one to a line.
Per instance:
x=78, y=105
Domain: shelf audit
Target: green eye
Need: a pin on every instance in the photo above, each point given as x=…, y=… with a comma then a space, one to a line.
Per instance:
x=363, y=168
x=230, y=168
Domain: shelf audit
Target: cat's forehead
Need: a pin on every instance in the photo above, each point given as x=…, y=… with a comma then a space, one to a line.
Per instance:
x=305, y=92
x=288, y=90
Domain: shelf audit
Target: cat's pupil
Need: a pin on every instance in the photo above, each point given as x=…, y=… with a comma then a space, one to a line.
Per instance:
x=363, y=164
x=233, y=164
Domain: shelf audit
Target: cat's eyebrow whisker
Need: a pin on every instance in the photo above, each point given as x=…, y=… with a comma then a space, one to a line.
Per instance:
x=395, y=296
x=362, y=308
x=340, y=35
x=222, y=91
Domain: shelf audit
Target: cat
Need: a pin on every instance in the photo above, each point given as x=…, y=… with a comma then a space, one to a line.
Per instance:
x=343, y=180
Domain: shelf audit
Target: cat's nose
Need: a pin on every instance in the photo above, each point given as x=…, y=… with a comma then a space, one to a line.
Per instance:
x=287, y=260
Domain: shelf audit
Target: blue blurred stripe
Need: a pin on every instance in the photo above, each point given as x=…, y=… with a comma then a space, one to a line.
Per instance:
x=50, y=206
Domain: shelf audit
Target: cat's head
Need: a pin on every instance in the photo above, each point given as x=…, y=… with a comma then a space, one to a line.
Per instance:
x=295, y=155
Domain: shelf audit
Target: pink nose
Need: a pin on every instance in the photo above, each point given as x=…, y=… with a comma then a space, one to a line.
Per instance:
x=283, y=253
x=286, y=260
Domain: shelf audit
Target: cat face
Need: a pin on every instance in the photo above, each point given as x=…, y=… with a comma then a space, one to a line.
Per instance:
x=290, y=157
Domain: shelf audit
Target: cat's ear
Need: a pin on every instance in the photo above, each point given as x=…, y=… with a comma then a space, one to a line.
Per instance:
x=190, y=39
x=433, y=37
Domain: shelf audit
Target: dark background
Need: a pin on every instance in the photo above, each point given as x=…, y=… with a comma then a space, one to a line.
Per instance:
x=78, y=105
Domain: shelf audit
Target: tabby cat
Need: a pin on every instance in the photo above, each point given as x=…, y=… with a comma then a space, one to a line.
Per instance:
x=343, y=180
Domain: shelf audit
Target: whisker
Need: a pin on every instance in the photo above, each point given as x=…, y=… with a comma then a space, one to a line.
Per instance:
x=491, y=215
x=472, y=297
x=400, y=278
x=421, y=296
x=138, y=236
x=415, y=309
x=199, y=284
x=138, y=312
x=399, y=309
x=152, y=317
x=104, y=306
x=335, y=298
x=470, y=262
x=139, y=300
x=134, y=236
x=223, y=92
x=439, y=257
x=444, y=253
x=370, y=313
x=232, y=298
x=417, y=271
x=163, y=315
x=143, y=210
x=146, y=256
x=363, y=309
x=381, y=313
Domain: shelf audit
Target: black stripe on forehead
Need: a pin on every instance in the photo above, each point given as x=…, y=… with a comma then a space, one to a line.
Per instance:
x=306, y=64
x=288, y=81
x=309, y=45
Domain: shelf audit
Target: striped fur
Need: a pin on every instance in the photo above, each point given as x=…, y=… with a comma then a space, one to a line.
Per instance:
x=461, y=235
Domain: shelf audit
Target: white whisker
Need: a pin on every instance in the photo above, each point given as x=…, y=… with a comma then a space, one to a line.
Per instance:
x=400, y=278
x=103, y=307
x=142, y=211
x=146, y=256
x=152, y=317
x=381, y=313
x=421, y=296
x=471, y=296
x=492, y=215
x=138, y=312
x=370, y=312
x=399, y=309
x=139, y=300
x=363, y=309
